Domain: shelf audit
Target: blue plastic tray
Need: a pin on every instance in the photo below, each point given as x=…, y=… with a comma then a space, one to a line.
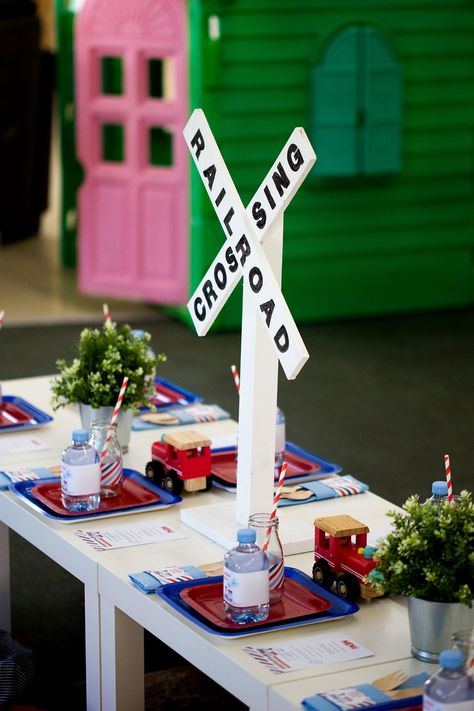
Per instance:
x=37, y=417
x=176, y=394
x=339, y=608
x=23, y=489
x=227, y=480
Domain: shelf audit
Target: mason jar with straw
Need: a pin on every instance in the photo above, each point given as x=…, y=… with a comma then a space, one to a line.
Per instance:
x=104, y=436
x=266, y=526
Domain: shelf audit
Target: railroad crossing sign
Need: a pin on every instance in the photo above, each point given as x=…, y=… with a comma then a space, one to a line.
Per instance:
x=266, y=318
x=242, y=254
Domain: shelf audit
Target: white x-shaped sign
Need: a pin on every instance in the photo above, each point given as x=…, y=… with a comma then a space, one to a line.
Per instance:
x=242, y=253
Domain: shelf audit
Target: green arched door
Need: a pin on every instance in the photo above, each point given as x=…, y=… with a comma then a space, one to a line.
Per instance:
x=356, y=105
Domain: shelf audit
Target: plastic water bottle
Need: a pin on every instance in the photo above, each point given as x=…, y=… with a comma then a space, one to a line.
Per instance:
x=80, y=474
x=449, y=689
x=439, y=493
x=280, y=440
x=246, y=586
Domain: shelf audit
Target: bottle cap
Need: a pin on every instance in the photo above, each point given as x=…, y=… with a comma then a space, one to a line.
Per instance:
x=451, y=658
x=246, y=535
x=440, y=488
x=80, y=435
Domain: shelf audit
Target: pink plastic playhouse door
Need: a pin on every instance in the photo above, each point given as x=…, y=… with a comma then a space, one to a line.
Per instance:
x=131, y=103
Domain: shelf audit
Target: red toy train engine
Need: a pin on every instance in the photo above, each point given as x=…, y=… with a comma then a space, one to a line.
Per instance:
x=340, y=559
x=182, y=459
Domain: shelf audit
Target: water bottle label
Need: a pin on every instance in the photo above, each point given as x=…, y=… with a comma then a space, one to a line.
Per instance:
x=80, y=480
x=434, y=705
x=246, y=589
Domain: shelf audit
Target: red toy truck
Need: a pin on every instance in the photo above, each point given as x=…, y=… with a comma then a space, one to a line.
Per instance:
x=182, y=459
x=339, y=558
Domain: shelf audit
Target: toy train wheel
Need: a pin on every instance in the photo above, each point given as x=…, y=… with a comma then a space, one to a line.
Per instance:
x=348, y=587
x=323, y=574
x=171, y=482
x=155, y=471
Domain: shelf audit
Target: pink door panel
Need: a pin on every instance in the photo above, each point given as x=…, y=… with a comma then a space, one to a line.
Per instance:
x=131, y=104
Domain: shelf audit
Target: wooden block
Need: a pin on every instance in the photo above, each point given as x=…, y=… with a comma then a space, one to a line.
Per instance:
x=186, y=439
x=340, y=526
x=196, y=484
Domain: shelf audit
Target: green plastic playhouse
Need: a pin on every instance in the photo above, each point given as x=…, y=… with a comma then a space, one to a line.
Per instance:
x=385, y=223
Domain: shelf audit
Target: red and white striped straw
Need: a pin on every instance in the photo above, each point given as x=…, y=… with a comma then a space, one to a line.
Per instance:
x=105, y=309
x=2, y=315
x=235, y=373
x=115, y=414
x=276, y=499
x=447, y=467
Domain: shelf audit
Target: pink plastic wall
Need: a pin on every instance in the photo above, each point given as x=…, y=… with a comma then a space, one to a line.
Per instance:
x=133, y=216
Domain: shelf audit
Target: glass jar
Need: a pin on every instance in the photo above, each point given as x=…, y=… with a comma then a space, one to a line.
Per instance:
x=104, y=434
x=464, y=641
x=269, y=540
x=280, y=441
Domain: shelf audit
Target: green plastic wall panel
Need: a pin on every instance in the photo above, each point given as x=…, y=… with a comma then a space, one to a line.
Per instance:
x=71, y=171
x=364, y=245
x=406, y=282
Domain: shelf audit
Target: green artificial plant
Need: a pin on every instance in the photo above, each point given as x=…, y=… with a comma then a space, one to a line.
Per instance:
x=429, y=553
x=104, y=357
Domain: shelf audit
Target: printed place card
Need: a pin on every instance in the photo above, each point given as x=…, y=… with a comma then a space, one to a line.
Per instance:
x=125, y=536
x=21, y=444
x=306, y=652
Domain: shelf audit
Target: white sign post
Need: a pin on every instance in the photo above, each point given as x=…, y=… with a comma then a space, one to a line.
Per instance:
x=269, y=334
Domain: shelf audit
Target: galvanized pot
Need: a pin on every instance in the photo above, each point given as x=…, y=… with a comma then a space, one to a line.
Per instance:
x=124, y=421
x=433, y=623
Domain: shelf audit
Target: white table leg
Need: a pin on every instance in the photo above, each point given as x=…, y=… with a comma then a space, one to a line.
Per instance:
x=5, y=603
x=123, y=658
x=92, y=625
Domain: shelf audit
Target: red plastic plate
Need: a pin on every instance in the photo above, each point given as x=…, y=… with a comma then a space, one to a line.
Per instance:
x=224, y=465
x=10, y=415
x=297, y=602
x=132, y=494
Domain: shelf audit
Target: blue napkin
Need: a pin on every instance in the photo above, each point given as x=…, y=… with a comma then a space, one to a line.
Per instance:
x=9, y=477
x=340, y=485
x=364, y=696
x=149, y=580
x=185, y=415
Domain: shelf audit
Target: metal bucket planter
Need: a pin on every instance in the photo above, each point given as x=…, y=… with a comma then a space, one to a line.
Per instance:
x=433, y=623
x=124, y=421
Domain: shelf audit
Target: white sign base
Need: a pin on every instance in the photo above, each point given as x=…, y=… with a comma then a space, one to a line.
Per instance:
x=217, y=522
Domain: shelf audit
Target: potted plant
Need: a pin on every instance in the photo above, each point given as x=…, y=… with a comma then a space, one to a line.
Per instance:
x=429, y=557
x=94, y=377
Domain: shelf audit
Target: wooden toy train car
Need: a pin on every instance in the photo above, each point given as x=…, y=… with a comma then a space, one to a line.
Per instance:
x=341, y=559
x=181, y=460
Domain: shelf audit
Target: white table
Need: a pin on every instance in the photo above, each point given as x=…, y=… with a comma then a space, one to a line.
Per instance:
x=117, y=612
x=55, y=540
x=223, y=659
x=288, y=695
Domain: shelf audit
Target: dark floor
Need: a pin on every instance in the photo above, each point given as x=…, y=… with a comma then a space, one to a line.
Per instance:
x=384, y=398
